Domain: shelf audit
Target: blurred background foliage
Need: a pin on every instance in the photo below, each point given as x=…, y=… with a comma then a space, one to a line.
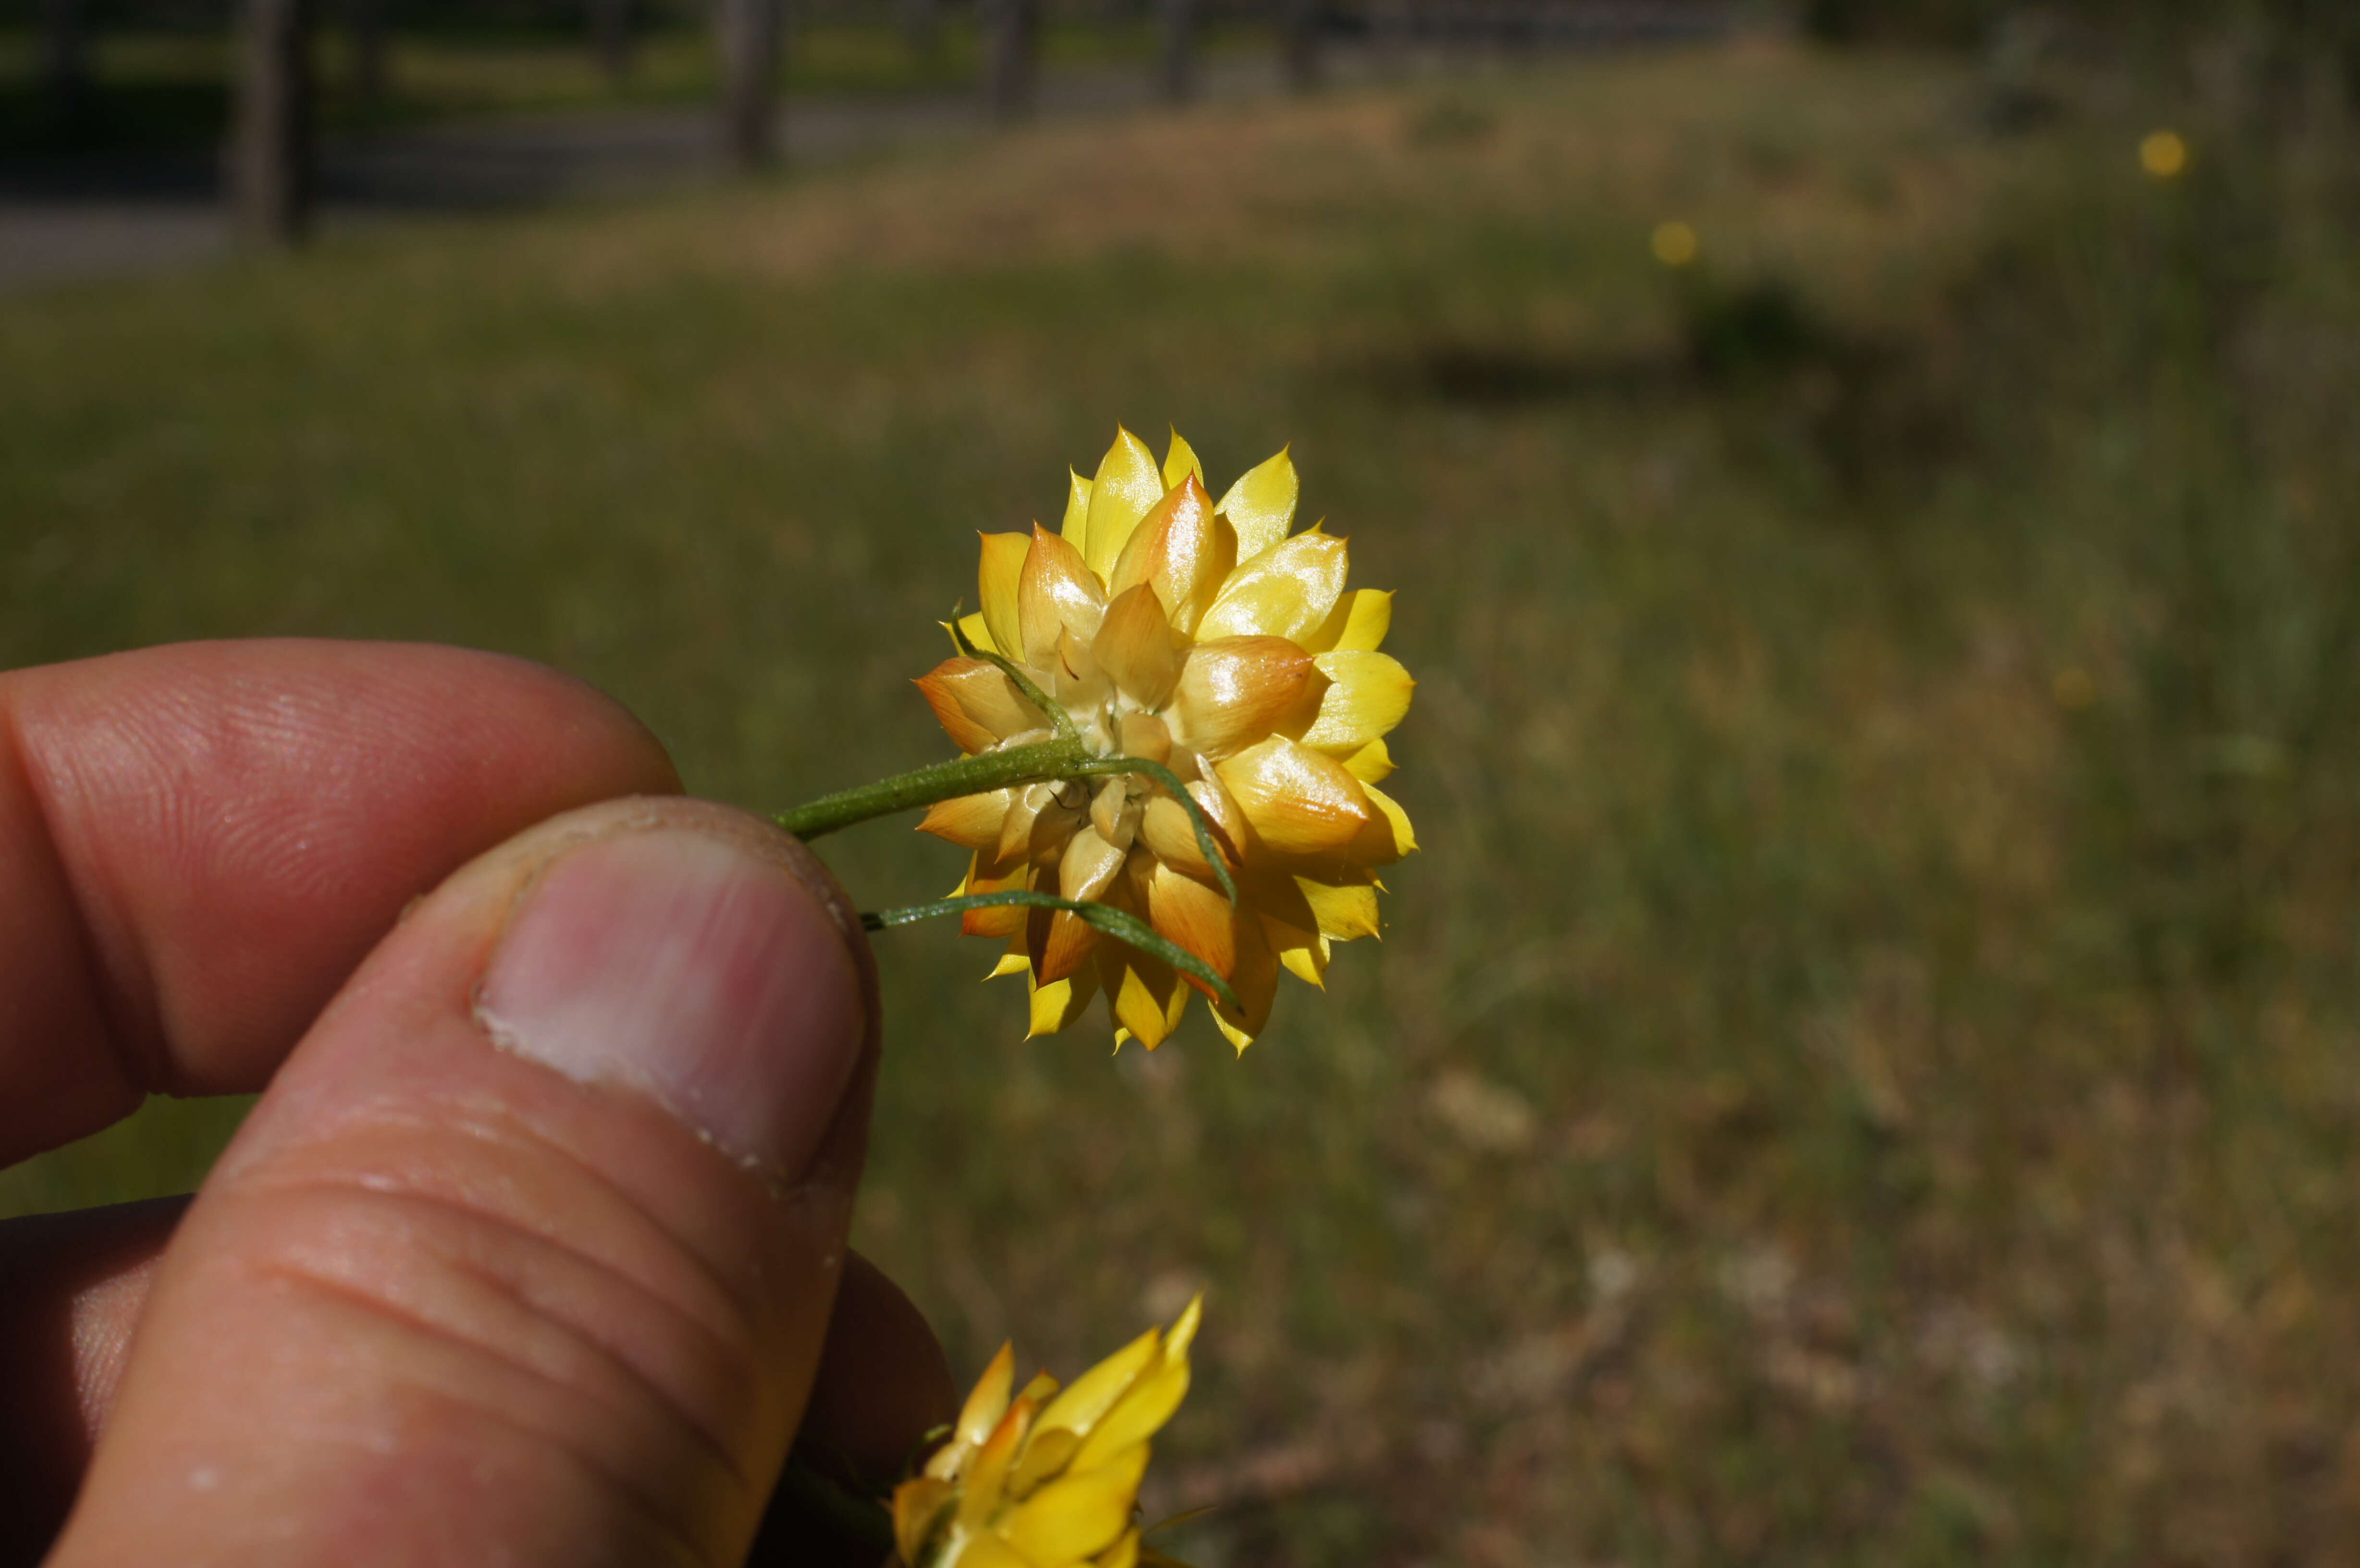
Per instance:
x=1865, y=1068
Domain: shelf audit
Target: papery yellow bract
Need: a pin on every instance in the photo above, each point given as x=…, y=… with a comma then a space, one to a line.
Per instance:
x=1206, y=637
x=1047, y=1477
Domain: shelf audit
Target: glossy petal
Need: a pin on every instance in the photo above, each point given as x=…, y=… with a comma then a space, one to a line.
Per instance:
x=1287, y=591
x=1107, y=807
x=1079, y=1514
x=1142, y=1412
x=990, y=1551
x=987, y=1470
x=1057, y=596
x=1261, y=504
x=1372, y=764
x=1138, y=648
x=1129, y=481
x=919, y=1505
x=1255, y=980
x=999, y=923
x=1344, y=913
x=1295, y=938
x=1055, y=1006
x=1180, y=550
x=1034, y=831
x=1091, y=1395
x=1171, y=834
x=1075, y=681
x=1063, y=942
x=1360, y=621
x=1366, y=696
x=1179, y=461
x=1236, y=691
x=1144, y=735
x=1075, y=527
x=971, y=822
x=977, y=635
x=980, y=1417
x=1287, y=917
x=1148, y=995
x=1000, y=570
x=1404, y=840
x=1088, y=867
x=1297, y=801
x=1183, y=1331
x=978, y=707
x=1187, y=912
x=1051, y=1451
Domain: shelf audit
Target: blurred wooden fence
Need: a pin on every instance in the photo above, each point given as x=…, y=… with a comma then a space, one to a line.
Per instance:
x=270, y=143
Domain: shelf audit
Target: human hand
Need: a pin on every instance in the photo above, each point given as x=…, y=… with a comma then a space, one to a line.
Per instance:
x=529, y=1251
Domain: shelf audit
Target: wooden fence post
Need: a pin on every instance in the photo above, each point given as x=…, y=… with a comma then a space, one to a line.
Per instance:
x=921, y=29
x=1176, y=73
x=610, y=37
x=65, y=62
x=1012, y=70
x=751, y=33
x=365, y=20
x=1299, y=43
x=270, y=139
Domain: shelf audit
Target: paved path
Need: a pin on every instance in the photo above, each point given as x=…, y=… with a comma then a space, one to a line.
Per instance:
x=62, y=220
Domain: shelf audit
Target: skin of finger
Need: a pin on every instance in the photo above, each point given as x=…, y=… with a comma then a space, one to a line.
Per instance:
x=72, y=1287
x=437, y=1303
x=199, y=842
x=71, y=1291
x=883, y=1384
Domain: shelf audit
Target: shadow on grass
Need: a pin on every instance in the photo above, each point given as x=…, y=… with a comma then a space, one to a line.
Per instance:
x=1770, y=368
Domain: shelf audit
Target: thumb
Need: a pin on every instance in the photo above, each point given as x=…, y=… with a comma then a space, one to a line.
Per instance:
x=528, y=1254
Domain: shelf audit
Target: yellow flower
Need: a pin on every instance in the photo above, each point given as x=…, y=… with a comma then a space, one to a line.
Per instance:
x=1675, y=243
x=2163, y=154
x=1050, y=1478
x=1202, y=636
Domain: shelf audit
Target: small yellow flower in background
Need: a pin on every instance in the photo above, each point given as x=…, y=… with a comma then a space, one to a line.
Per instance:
x=2163, y=154
x=1675, y=243
x=1049, y=1478
x=1202, y=636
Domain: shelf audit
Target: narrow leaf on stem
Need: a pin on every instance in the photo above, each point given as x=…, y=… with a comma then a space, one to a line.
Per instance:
x=1119, y=924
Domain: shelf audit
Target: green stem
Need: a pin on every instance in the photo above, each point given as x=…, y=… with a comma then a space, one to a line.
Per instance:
x=1120, y=924
x=943, y=781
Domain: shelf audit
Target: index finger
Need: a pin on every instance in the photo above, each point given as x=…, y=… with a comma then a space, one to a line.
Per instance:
x=199, y=842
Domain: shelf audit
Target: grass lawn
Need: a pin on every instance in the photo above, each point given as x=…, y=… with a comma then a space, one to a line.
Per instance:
x=1867, y=1066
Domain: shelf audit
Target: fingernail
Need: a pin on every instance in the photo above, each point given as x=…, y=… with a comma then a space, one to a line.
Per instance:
x=693, y=968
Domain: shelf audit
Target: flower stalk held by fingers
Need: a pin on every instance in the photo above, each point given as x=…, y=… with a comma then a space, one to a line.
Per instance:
x=1048, y=1477
x=1205, y=637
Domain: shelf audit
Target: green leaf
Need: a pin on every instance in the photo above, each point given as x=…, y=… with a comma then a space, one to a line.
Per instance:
x=1119, y=924
x=1206, y=845
x=1057, y=716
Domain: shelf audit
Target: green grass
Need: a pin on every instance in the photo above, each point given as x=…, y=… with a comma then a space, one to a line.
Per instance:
x=1865, y=1068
